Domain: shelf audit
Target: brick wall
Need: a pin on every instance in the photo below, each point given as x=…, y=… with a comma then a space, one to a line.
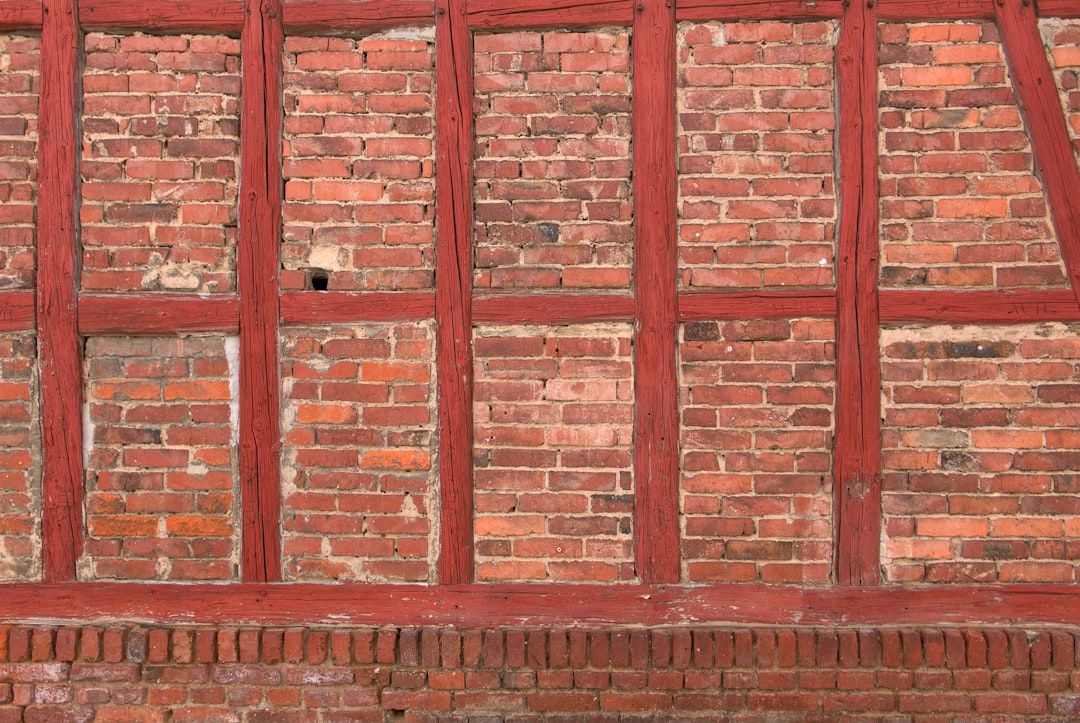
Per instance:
x=161, y=488
x=20, y=63
x=234, y=674
x=20, y=460
x=160, y=162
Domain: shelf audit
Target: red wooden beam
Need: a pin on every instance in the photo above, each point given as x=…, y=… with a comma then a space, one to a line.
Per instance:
x=978, y=307
x=709, y=305
x=1037, y=92
x=736, y=10
x=656, y=422
x=1059, y=9
x=512, y=308
x=453, y=288
x=59, y=347
x=505, y=14
x=211, y=16
x=17, y=311
x=257, y=284
x=16, y=15
x=542, y=605
x=322, y=16
x=857, y=462
x=146, y=314
x=321, y=307
x=906, y=10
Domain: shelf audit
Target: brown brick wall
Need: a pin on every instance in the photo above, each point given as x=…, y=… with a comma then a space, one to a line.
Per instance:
x=981, y=454
x=359, y=465
x=19, y=88
x=961, y=206
x=359, y=161
x=553, y=466
x=161, y=479
x=756, y=128
x=160, y=163
x=553, y=191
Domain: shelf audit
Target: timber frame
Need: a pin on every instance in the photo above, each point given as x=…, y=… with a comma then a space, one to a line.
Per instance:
x=60, y=315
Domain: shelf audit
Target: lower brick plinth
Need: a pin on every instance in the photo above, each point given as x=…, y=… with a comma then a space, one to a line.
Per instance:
x=150, y=673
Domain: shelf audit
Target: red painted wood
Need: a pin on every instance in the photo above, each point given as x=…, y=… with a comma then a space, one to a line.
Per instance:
x=257, y=283
x=1059, y=9
x=656, y=423
x=857, y=463
x=16, y=15
x=700, y=10
x=511, y=308
x=1037, y=93
x=320, y=16
x=504, y=14
x=59, y=347
x=942, y=10
x=708, y=305
x=321, y=307
x=453, y=288
x=222, y=16
x=542, y=605
x=17, y=311
x=145, y=314
x=978, y=307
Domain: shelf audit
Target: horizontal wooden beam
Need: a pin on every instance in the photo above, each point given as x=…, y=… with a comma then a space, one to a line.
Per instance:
x=332, y=307
x=149, y=314
x=906, y=10
x=1059, y=8
x=540, y=605
x=320, y=16
x=710, y=305
x=220, y=16
x=736, y=10
x=514, y=308
x=16, y=15
x=978, y=307
x=507, y=14
x=16, y=311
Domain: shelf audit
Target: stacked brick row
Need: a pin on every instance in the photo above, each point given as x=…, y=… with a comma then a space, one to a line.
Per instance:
x=293, y=674
x=20, y=63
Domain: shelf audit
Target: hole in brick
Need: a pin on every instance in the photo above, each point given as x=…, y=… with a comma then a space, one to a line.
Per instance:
x=320, y=280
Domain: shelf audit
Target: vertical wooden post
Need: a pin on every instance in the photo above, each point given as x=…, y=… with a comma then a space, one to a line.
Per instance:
x=59, y=346
x=1037, y=93
x=857, y=463
x=453, y=287
x=656, y=424
x=257, y=284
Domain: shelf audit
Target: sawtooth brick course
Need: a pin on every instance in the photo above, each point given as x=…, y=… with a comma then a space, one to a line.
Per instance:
x=553, y=163
x=757, y=420
x=160, y=162
x=553, y=469
x=20, y=460
x=161, y=480
x=981, y=454
x=359, y=461
x=961, y=206
x=756, y=105
x=359, y=161
x=19, y=88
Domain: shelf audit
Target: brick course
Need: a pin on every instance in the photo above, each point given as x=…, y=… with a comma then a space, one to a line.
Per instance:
x=553, y=192
x=161, y=155
x=19, y=88
x=757, y=202
x=554, y=484
x=358, y=466
x=961, y=206
x=359, y=161
x=981, y=454
x=161, y=478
